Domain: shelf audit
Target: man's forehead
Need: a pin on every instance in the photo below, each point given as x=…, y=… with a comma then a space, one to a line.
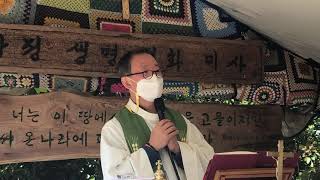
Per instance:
x=144, y=60
x=144, y=64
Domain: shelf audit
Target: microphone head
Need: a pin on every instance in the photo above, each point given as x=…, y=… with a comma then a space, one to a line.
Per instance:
x=159, y=104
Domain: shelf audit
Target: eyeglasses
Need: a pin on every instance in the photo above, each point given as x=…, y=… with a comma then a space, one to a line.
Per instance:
x=149, y=74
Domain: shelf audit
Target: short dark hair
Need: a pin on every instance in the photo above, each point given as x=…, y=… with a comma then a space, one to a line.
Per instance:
x=124, y=64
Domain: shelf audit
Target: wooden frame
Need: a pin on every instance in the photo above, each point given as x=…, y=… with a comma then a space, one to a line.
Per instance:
x=251, y=173
x=28, y=122
x=93, y=53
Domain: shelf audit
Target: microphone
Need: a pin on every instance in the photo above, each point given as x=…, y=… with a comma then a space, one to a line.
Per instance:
x=160, y=108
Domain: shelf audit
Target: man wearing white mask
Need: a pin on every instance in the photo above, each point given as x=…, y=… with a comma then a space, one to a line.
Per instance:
x=134, y=139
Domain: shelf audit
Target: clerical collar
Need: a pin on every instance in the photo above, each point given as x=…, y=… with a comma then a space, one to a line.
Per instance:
x=141, y=112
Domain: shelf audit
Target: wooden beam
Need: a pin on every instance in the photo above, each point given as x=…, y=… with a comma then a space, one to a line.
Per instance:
x=285, y=155
x=63, y=125
x=280, y=160
x=81, y=52
x=125, y=9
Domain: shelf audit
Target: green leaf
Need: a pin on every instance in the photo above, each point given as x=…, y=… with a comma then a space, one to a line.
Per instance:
x=307, y=160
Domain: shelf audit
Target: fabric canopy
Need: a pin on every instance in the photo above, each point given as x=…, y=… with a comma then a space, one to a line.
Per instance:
x=294, y=24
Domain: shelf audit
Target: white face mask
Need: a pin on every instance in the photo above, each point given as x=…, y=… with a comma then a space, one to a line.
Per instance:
x=150, y=89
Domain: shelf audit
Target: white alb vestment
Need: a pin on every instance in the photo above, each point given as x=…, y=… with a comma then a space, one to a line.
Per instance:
x=117, y=160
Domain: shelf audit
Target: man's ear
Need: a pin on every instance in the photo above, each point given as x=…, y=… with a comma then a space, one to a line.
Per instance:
x=126, y=83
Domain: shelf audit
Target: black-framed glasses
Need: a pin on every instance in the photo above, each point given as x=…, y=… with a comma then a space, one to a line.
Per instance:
x=148, y=74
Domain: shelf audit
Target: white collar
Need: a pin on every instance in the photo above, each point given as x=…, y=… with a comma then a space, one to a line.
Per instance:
x=141, y=112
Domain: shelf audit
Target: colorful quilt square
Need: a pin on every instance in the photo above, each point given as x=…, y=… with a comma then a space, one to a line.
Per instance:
x=42, y=81
x=207, y=23
x=70, y=83
x=16, y=80
x=99, y=20
x=302, y=71
x=17, y=11
x=273, y=90
x=176, y=88
x=6, y=6
x=175, y=12
x=219, y=91
x=55, y=17
x=170, y=8
x=116, y=5
x=158, y=28
x=301, y=75
x=55, y=22
x=81, y=6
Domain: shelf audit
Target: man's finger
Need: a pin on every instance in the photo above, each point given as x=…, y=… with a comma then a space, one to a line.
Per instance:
x=167, y=125
x=173, y=134
x=162, y=122
x=170, y=130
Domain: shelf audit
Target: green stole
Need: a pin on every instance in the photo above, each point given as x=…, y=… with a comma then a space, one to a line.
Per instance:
x=137, y=132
